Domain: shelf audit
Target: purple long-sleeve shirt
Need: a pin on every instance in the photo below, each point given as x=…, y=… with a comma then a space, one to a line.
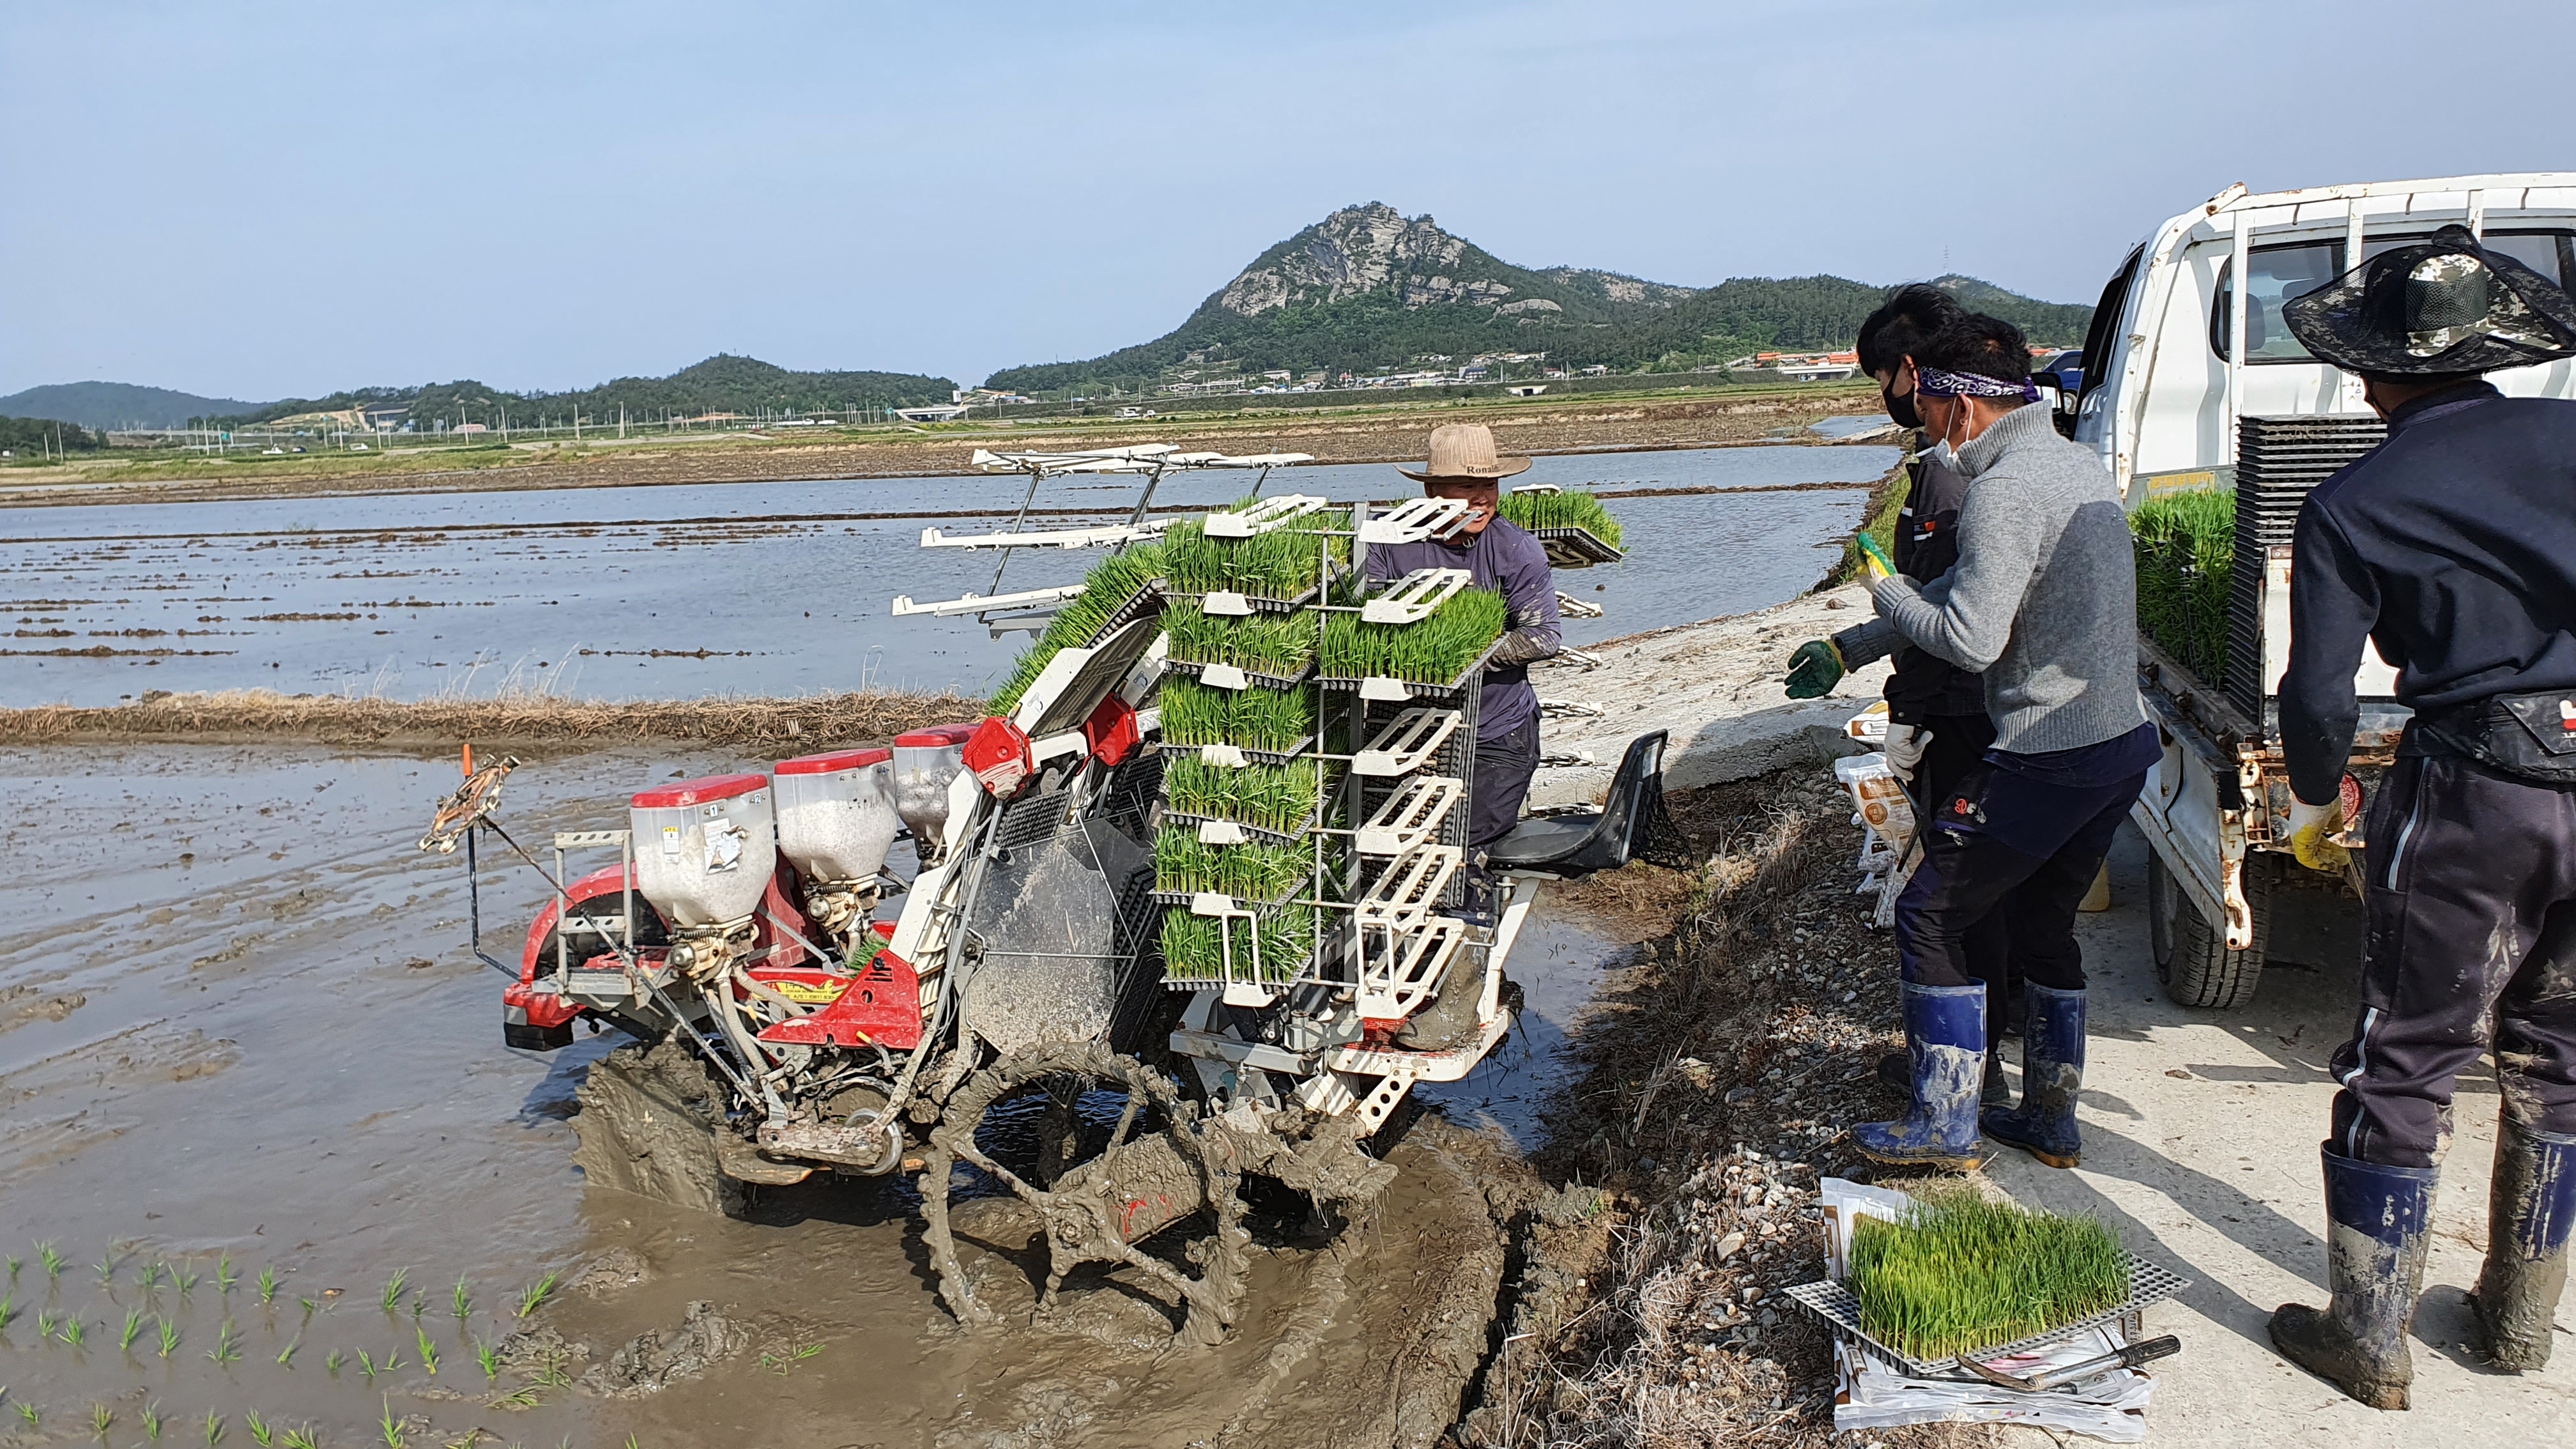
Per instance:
x=1506, y=559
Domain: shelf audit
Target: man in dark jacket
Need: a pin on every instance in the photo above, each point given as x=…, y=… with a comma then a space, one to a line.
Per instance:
x=2452, y=547
x=1937, y=729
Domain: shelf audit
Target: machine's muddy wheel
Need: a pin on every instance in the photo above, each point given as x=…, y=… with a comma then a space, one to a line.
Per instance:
x=1158, y=1166
x=2191, y=954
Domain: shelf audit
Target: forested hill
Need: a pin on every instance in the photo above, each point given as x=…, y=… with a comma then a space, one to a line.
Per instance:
x=721, y=384
x=116, y=405
x=1370, y=291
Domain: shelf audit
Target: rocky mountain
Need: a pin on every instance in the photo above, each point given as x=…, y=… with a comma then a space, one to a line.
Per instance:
x=1368, y=290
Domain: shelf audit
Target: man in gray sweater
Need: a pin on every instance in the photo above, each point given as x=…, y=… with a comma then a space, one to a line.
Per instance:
x=2042, y=602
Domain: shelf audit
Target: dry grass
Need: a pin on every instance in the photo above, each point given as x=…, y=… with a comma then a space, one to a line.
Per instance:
x=811, y=722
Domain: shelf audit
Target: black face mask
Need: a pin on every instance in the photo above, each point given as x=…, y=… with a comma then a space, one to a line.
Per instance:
x=1901, y=409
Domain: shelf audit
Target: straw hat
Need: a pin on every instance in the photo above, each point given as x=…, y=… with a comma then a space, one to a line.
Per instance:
x=2444, y=306
x=1464, y=450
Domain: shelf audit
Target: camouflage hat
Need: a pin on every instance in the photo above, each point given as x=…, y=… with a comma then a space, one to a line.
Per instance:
x=2447, y=305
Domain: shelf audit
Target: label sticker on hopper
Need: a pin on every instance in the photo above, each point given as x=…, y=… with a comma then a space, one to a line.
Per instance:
x=670, y=840
x=724, y=845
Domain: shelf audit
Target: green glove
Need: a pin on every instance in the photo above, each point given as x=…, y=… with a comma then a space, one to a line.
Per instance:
x=1815, y=669
x=1874, y=558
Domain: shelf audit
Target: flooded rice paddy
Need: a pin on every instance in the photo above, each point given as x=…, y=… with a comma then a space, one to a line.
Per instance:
x=737, y=588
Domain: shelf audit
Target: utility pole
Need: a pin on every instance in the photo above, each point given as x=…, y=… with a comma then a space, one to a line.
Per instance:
x=621, y=422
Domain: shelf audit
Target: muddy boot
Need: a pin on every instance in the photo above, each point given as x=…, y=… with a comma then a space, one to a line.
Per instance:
x=1945, y=1030
x=2379, y=1224
x=2532, y=1205
x=2052, y=1072
x=1896, y=1072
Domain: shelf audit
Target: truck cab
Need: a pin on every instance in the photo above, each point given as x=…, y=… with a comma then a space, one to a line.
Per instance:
x=2191, y=381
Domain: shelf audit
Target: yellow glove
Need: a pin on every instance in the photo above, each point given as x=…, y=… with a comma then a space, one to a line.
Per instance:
x=2312, y=832
x=1874, y=560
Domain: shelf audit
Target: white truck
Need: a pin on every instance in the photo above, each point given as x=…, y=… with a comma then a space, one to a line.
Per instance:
x=2191, y=381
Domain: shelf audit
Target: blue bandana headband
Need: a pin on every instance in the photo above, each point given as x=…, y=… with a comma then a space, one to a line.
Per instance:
x=1936, y=383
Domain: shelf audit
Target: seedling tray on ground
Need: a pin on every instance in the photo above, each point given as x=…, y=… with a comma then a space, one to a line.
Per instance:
x=1575, y=548
x=1831, y=1301
x=1417, y=689
x=1252, y=679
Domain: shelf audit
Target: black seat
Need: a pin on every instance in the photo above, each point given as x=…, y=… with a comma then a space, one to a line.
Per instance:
x=1631, y=823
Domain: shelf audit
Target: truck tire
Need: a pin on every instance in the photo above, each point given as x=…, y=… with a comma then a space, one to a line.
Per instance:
x=2192, y=958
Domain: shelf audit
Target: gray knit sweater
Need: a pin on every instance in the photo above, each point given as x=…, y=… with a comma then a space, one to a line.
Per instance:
x=2043, y=600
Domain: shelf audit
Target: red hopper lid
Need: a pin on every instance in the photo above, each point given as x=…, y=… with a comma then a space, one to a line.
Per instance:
x=937, y=736
x=699, y=792
x=833, y=761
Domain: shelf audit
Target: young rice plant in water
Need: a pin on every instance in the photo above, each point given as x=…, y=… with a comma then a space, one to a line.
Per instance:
x=1535, y=511
x=1110, y=584
x=1969, y=1274
x=1435, y=650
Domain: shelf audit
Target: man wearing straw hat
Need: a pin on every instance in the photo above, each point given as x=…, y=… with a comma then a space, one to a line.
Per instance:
x=1502, y=557
x=2452, y=546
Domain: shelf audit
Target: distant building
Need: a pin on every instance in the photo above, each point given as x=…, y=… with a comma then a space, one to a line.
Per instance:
x=1597, y=370
x=1526, y=389
x=933, y=413
x=469, y=428
x=1473, y=372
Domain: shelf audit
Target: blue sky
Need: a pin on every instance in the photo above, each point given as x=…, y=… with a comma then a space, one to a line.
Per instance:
x=280, y=199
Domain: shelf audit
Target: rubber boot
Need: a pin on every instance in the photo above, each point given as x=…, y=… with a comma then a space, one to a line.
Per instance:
x=1945, y=1029
x=2379, y=1224
x=1896, y=1071
x=2531, y=1207
x=2052, y=1073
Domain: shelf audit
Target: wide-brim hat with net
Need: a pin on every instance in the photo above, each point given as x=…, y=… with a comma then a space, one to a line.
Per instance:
x=1464, y=450
x=2447, y=305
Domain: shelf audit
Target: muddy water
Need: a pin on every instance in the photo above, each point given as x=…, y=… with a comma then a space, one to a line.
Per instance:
x=238, y=1025
x=766, y=588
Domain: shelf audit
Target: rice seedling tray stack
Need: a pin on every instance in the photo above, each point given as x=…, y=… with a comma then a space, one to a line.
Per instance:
x=1575, y=529
x=2186, y=546
x=1271, y=651
x=1268, y=726
x=1273, y=947
x=1285, y=570
x=1439, y=657
x=1279, y=804
x=1965, y=1276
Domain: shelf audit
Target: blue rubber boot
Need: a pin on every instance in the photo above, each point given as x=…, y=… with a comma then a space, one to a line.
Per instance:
x=1945, y=1030
x=2531, y=1207
x=2052, y=1073
x=2379, y=1225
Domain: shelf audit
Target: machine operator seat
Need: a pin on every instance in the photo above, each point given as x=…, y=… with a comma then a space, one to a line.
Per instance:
x=1632, y=822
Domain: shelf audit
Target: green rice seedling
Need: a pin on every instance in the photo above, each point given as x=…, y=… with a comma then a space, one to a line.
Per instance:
x=1966, y=1273
x=367, y=1365
x=47, y=1321
x=428, y=1353
x=52, y=1260
x=184, y=1281
x=152, y=1422
x=100, y=1417
x=419, y=1303
x=1282, y=645
x=214, y=1429
x=151, y=1275
x=75, y=1332
x=226, y=1279
x=8, y=1310
x=169, y=1338
x=1435, y=650
x=1280, y=798
x=392, y=1427
x=331, y=1363
x=2186, y=551
x=537, y=1294
x=1273, y=720
x=1194, y=946
x=394, y=1289
x=1107, y=588
x=1281, y=564
x=105, y=1268
x=462, y=1300
x=1247, y=872
x=488, y=1359
x=307, y=1437
x=227, y=1349
x=286, y=1355
x=132, y=1330
x=268, y=1286
x=30, y=1413
x=15, y=1263
x=1574, y=509
x=260, y=1433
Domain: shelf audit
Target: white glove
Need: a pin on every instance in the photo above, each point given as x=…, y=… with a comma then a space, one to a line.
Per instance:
x=1904, y=749
x=2312, y=832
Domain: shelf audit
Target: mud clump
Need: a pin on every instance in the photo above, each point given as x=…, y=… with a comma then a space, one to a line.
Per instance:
x=647, y=1118
x=612, y=1272
x=653, y=1360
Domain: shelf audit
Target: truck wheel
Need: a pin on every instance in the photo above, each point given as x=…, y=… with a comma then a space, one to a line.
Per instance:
x=2192, y=958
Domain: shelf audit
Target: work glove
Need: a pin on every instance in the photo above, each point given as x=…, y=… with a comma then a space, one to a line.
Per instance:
x=2312, y=832
x=1904, y=749
x=1815, y=669
x=1874, y=560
